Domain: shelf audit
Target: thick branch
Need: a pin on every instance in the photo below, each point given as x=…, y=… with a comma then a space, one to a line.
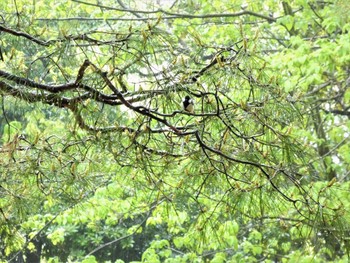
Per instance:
x=33, y=84
x=338, y=112
x=142, y=110
x=51, y=99
x=23, y=34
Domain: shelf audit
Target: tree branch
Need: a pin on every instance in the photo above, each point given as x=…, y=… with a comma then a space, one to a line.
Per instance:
x=178, y=15
x=23, y=34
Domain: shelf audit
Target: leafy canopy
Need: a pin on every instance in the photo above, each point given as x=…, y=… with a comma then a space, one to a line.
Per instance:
x=99, y=162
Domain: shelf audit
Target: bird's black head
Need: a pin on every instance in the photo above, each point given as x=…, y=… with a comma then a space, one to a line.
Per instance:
x=187, y=98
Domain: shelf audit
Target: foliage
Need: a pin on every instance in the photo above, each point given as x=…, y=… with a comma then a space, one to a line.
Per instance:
x=100, y=163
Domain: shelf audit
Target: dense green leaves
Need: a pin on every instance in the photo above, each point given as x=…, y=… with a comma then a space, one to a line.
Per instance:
x=100, y=163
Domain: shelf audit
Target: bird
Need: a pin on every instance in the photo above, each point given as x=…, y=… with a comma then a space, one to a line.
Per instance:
x=188, y=104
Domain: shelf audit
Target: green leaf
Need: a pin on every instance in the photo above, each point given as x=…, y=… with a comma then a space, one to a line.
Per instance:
x=89, y=259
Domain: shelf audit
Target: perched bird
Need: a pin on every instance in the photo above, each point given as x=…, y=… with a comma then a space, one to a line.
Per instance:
x=188, y=104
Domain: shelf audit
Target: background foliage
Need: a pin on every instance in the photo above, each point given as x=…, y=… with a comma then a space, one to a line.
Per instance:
x=100, y=163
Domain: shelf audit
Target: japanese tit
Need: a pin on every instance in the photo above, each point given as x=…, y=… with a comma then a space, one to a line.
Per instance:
x=188, y=104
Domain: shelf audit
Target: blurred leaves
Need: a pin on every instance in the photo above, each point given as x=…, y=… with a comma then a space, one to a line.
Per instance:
x=100, y=163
